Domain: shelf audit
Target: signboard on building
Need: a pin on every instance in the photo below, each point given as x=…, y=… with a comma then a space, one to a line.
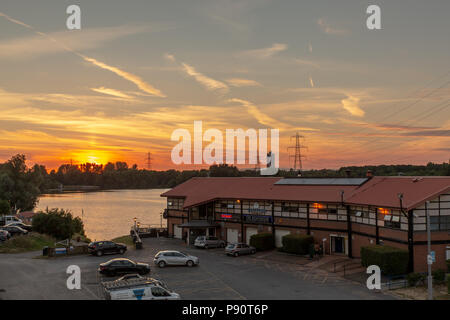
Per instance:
x=257, y=218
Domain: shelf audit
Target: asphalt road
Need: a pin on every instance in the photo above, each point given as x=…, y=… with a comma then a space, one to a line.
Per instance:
x=23, y=276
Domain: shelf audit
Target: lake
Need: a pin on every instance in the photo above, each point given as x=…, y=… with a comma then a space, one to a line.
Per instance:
x=109, y=214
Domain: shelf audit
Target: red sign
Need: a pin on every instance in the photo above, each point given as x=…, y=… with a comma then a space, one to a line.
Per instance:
x=226, y=216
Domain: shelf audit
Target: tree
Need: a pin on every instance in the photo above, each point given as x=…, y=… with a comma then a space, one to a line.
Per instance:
x=58, y=223
x=5, y=208
x=19, y=185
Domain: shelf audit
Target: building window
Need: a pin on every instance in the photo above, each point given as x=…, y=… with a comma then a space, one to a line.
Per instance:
x=440, y=223
x=391, y=221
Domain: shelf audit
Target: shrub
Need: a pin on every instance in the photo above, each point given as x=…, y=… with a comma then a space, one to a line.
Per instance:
x=448, y=265
x=262, y=241
x=392, y=261
x=438, y=276
x=414, y=279
x=58, y=223
x=297, y=243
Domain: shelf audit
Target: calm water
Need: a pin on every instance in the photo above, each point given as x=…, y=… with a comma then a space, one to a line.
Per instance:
x=109, y=214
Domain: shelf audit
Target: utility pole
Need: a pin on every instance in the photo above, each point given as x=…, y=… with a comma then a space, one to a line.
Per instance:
x=149, y=161
x=298, y=152
x=429, y=257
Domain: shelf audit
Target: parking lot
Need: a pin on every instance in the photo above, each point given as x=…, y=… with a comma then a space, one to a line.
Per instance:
x=23, y=276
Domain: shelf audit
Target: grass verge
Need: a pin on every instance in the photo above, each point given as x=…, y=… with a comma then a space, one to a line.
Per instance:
x=124, y=239
x=30, y=242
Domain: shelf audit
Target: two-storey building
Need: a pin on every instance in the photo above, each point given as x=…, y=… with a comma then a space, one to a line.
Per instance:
x=343, y=214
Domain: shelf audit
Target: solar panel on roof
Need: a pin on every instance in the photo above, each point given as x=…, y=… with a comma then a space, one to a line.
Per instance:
x=322, y=181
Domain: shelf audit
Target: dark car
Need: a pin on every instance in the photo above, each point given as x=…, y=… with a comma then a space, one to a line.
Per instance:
x=100, y=248
x=20, y=225
x=13, y=230
x=123, y=266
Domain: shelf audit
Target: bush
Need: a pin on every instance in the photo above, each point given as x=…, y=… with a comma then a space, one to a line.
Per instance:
x=392, y=261
x=438, y=276
x=448, y=265
x=262, y=241
x=58, y=223
x=31, y=242
x=297, y=243
x=414, y=279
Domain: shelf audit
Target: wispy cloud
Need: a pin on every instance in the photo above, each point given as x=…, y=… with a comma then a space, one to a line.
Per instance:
x=265, y=119
x=111, y=92
x=268, y=52
x=32, y=47
x=141, y=84
x=238, y=82
x=311, y=82
x=328, y=29
x=209, y=83
x=351, y=104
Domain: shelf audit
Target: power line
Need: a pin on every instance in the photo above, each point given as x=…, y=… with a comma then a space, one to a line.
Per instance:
x=298, y=152
x=149, y=160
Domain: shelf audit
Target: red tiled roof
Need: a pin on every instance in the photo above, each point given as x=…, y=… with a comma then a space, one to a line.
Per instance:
x=383, y=191
x=26, y=214
x=378, y=191
x=201, y=190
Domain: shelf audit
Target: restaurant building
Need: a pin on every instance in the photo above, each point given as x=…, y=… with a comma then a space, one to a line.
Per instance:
x=342, y=214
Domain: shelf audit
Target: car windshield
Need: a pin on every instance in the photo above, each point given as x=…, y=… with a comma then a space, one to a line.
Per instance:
x=231, y=245
x=201, y=238
x=184, y=254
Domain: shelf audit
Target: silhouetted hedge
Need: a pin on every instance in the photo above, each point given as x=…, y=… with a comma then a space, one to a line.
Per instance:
x=297, y=243
x=262, y=241
x=392, y=261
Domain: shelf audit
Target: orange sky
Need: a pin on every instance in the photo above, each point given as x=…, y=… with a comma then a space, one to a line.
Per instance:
x=119, y=87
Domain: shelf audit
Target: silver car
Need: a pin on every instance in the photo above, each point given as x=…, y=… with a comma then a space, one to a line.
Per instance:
x=237, y=249
x=164, y=258
x=208, y=242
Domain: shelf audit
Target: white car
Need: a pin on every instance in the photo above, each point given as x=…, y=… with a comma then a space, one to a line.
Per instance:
x=4, y=220
x=208, y=242
x=169, y=257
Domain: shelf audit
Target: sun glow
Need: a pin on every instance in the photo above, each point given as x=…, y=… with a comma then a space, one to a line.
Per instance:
x=90, y=156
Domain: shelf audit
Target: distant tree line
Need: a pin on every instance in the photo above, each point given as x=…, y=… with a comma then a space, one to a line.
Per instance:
x=20, y=186
x=120, y=176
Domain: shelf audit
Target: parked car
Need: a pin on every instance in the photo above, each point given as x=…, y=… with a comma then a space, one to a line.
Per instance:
x=4, y=235
x=100, y=248
x=138, y=289
x=123, y=266
x=164, y=258
x=14, y=230
x=20, y=224
x=237, y=249
x=208, y=242
x=4, y=220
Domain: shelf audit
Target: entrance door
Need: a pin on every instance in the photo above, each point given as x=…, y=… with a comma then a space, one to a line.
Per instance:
x=232, y=235
x=337, y=244
x=177, y=232
x=279, y=234
x=248, y=233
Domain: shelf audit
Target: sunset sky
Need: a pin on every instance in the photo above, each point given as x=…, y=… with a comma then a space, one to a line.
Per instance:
x=138, y=70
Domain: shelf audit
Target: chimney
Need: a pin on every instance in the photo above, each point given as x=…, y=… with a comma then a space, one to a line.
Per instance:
x=369, y=174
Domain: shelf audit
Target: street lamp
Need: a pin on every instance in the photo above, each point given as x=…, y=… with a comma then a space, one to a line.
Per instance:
x=134, y=222
x=429, y=257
